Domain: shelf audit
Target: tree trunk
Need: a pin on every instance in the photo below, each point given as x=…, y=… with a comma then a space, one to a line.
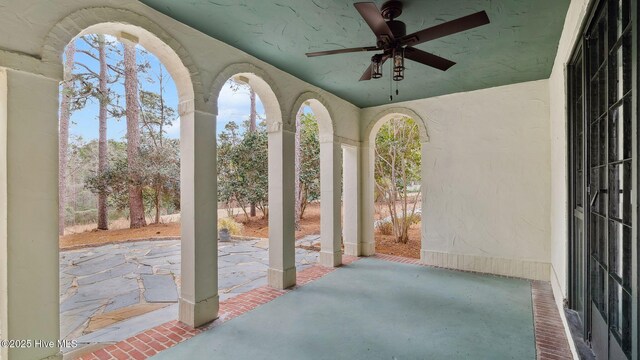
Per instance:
x=162, y=110
x=157, y=204
x=103, y=220
x=254, y=113
x=252, y=127
x=297, y=171
x=63, y=144
x=136, y=206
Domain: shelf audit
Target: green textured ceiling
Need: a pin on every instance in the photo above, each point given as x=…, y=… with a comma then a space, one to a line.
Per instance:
x=518, y=45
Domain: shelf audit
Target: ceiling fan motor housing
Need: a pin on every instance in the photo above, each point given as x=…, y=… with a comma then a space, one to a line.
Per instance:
x=391, y=9
x=398, y=28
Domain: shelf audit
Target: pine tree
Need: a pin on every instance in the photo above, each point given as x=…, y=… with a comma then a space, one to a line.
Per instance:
x=252, y=128
x=63, y=144
x=103, y=97
x=136, y=204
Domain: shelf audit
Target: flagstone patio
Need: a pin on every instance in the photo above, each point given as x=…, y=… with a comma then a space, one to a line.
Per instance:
x=111, y=292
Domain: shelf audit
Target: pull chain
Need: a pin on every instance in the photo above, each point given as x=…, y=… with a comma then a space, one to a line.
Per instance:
x=390, y=81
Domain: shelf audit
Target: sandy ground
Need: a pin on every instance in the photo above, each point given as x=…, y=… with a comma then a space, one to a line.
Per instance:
x=259, y=227
x=386, y=244
x=87, y=235
x=101, y=237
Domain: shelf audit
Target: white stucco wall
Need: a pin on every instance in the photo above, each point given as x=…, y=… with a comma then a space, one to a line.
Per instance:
x=558, y=127
x=486, y=178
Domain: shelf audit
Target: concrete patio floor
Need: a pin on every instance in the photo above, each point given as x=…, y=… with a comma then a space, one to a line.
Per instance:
x=111, y=292
x=375, y=309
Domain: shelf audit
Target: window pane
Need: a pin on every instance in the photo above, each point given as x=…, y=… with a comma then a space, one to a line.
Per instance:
x=597, y=287
x=598, y=194
x=578, y=188
x=598, y=229
x=594, y=145
x=620, y=132
x=602, y=141
x=620, y=310
x=594, y=102
x=620, y=191
x=597, y=46
x=620, y=251
x=621, y=10
x=620, y=71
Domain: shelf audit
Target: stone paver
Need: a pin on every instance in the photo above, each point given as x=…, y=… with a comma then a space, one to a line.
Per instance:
x=159, y=288
x=309, y=241
x=97, y=281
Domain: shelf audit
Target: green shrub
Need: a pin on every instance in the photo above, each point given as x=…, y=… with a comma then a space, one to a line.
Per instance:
x=86, y=216
x=234, y=227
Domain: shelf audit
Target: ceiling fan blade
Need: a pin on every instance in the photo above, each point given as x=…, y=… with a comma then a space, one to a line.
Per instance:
x=370, y=13
x=342, y=51
x=366, y=75
x=428, y=59
x=448, y=28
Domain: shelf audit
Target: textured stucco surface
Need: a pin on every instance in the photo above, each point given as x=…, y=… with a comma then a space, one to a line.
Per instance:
x=518, y=45
x=485, y=172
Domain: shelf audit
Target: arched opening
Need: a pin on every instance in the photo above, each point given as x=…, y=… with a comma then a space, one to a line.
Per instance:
x=242, y=178
x=243, y=203
x=396, y=144
x=131, y=94
x=319, y=181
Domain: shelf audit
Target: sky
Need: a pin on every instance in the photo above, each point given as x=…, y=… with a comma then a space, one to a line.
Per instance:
x=232, y=105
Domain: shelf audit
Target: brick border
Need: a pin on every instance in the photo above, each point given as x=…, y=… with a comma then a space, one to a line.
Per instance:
x=550, y=337
x=399, y=259
x=162, y=337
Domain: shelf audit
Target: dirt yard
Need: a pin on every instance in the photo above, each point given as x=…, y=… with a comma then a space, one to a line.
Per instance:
x=386, y=244
x=87, y=235
x=259, y=227
x=101, y=237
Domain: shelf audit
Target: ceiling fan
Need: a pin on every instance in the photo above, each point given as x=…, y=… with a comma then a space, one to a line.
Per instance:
x=393, y=42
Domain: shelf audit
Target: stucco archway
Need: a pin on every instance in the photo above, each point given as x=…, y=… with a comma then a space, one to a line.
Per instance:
x=112, y=21
x=330, y=184
x=282, y=272
x=368, y=246
x=198, y=301
x=261, y=83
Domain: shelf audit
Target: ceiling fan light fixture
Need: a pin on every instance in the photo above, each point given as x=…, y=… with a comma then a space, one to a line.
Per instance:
x=376, y=66
x=398, y=64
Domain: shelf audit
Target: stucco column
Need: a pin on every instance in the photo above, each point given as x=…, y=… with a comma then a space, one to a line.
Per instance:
x=282, y=260
x=423, y=202
x=368, y=242
x=199, y=205
x=29, y=265
x=330, y=203
x=351, y=199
